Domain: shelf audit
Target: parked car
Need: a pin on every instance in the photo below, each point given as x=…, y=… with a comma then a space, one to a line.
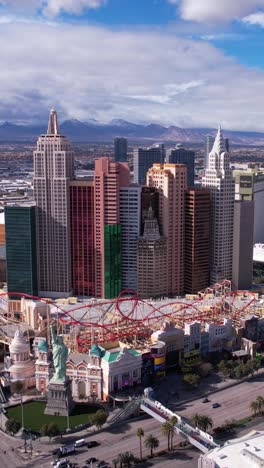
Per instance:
x=216, y=405
x=92, y=443
x=80, y=443
x=205, y=400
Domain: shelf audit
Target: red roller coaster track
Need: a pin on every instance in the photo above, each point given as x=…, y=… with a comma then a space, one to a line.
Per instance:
x=129, y=316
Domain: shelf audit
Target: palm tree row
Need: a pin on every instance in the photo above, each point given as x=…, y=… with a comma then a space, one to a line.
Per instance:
x=151, y=442
x=167, y=429
x=257, y=406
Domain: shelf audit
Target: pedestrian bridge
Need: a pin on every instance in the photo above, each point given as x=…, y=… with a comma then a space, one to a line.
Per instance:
x=183, y=427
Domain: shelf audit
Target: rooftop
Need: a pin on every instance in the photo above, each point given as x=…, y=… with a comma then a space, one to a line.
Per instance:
x=243, y=452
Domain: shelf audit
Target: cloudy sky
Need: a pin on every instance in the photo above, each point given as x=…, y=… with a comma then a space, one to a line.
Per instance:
x=182, y=62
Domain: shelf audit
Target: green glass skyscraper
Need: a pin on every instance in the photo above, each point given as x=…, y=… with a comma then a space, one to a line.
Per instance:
x=21, y=249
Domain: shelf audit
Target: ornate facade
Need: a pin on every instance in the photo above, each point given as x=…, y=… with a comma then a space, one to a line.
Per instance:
x=20, y=364
x=44, y=368
x=103, y=371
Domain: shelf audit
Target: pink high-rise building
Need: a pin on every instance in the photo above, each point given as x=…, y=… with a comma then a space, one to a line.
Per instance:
x=109, y=177
x=171, y=181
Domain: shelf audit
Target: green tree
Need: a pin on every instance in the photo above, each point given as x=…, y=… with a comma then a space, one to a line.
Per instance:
x=166, y=430
x=254, y=408
x=44, y=429
x=151, y=442
x=260, y=403
x=50, y=430
x=12, y=426
x=99, y=418
x=126, y=459
x=241, y=371
x=203, y=422
x=140, y=433
x=191, y=380
x=17, y=387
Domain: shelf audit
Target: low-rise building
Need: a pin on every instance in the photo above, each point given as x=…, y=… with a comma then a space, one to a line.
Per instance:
x=106, y=369
x=244, y=452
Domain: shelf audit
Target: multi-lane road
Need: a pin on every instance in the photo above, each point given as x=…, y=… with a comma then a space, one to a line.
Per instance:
x=234, y=401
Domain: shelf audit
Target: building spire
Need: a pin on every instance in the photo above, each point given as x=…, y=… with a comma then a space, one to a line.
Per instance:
x=53, y=127
x=219, y=144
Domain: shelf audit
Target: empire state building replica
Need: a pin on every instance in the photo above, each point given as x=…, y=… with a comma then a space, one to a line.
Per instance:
x=53, y=169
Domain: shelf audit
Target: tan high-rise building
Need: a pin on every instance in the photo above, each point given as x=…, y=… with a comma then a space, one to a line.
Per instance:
x=152, y=278
x=53, y=170
x=171, y=181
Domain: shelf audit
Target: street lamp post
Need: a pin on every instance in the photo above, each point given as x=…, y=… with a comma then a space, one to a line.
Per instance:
x=68, y=415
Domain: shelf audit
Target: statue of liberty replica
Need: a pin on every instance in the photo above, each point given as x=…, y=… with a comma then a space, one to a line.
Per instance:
x=59, y=401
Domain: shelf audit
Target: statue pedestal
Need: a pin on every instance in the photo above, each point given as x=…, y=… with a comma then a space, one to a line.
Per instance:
x=60, y=400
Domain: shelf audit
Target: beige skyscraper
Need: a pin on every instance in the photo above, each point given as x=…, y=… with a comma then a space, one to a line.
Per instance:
x=171, y=181
x=53, y=169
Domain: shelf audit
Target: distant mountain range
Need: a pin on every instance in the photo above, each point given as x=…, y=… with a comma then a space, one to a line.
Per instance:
x=96, y=131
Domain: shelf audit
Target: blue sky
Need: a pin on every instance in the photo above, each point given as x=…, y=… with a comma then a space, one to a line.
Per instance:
x=178, y=62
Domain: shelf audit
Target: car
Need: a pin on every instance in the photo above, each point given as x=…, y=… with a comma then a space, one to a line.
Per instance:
x=102, y=464
x=91, y=460
x=205, y=400
x=92, y=443
x=216, y=405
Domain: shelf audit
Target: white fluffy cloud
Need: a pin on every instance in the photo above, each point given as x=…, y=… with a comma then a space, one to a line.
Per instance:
x=91, y=72
x=255, y=19
x=216, y=10
x=51, y=7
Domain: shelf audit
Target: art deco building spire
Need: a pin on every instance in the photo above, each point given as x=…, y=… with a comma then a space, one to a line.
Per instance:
x=53, y=127
x=219, y=144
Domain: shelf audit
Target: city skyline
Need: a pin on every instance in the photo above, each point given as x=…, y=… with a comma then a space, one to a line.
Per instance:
x=101, y=61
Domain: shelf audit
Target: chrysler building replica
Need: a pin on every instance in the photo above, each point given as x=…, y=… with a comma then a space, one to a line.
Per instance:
x=219, y=181
x=53, y=169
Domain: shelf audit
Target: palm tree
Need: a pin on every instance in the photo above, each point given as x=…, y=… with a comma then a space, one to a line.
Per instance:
x=151, y=442
x=173, y=421
x=140, y=433
x=115, y=462
x=254, y=406
x=203, y=422
x=166, y=430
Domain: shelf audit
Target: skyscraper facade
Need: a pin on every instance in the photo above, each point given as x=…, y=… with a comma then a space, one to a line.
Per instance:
x=219, y=181
x=120, y=145
x=130, y=220
x=109, y=178
x=152, y=280
x=209, y=143
x=21, y=249
x=180, y=155
x=53, y=170
x=144, y=158
x=249, y=186
x=149, y=198
x=197, y=240
x=171, y=181
x=82, y=237
x=243, y=244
